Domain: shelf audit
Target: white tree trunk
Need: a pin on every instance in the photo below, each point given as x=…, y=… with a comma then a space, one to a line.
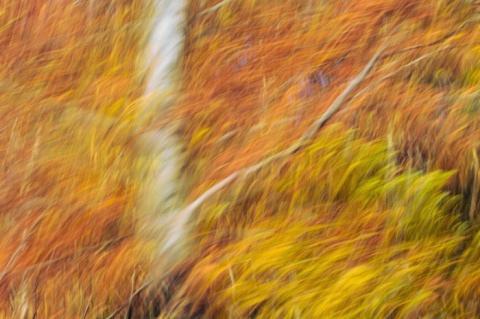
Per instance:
x=159, y=225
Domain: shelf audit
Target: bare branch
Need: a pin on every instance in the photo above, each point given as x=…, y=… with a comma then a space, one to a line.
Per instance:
x=185, y=213
x=391, y=74
x=426, y=45
x=337, y=103
x=85, y=312
x=214, y=8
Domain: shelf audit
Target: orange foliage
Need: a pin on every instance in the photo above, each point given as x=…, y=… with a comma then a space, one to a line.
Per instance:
x=256, y=75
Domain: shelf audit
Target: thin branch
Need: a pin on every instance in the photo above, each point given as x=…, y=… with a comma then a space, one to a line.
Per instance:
x=426, y=45
x=299, y=144
x=85, y=312
x=214, y=8
x=337, y=103
x=391, y=74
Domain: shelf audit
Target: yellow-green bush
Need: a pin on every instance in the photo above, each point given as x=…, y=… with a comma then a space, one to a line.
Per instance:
x=335, y=232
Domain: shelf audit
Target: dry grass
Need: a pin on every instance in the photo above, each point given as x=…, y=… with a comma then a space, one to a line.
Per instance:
x=60, y=62
x=376, y=218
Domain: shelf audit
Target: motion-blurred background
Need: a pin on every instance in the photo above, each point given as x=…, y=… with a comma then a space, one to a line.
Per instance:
x=376, y=217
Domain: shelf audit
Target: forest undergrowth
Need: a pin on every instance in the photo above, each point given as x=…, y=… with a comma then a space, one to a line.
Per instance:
x=375, y=215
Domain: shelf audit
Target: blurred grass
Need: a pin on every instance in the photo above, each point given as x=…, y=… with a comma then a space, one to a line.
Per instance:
x=62, y=63
x=376, y=218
